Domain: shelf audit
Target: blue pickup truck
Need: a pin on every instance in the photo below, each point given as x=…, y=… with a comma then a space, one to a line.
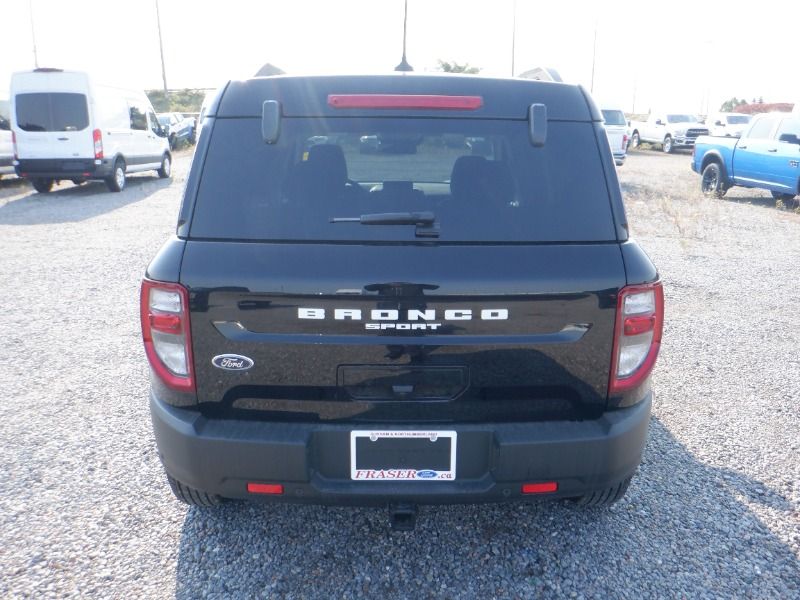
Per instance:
x=767, y=156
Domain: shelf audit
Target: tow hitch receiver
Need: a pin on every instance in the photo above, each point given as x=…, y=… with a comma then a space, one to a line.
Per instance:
x=402, y=517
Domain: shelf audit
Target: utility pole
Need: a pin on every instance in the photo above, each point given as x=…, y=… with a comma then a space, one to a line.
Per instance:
x=594, y=56
x=161, y=47
x=513, y=38
x=404, y=66
x=33, y=35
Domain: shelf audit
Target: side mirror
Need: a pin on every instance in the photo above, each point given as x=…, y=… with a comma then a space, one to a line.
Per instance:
x=789, y=138
x=719, y=124
x=659, y=122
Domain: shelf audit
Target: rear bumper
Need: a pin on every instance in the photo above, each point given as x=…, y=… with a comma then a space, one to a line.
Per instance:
x=68, y=168
x=312, y=461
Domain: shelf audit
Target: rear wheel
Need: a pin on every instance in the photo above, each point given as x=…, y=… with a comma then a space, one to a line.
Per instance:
x=166, y=167
x=605, y=497
x=42, y=185
x=667, y=146
x=173, y=141
x=79, y=181
x=711, y=183
x=782, y=196
x=635, y=140
x=191, y=496
x=116, y=181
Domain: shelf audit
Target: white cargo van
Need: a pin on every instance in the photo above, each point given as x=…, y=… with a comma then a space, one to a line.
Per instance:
x=6, y=143
x=68, y=127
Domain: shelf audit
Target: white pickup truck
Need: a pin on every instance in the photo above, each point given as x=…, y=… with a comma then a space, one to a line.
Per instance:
x=669, y=130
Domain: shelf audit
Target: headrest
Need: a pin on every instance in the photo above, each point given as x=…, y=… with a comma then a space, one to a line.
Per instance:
x=326, y=161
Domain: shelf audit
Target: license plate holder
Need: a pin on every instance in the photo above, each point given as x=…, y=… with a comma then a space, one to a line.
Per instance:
x=380, y=455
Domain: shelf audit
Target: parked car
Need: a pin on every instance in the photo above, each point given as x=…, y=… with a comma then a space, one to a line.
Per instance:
x=767, y=156
x=180, y=130
x=617, y=131
x=69, y=128
x=668, y=130
x=207, y=100
x=443, y=326
x=727, y=124
x=6, y=139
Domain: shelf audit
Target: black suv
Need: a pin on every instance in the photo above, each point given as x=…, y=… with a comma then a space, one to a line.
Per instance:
x=455, y=315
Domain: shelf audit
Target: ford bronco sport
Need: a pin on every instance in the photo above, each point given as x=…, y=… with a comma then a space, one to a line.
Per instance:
x=456, y=314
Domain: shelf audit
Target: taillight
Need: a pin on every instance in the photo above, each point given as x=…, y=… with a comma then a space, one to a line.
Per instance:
x=97, y=135
x=166, y=333
x=637, y=335
x=14, y=143
x=624, y=141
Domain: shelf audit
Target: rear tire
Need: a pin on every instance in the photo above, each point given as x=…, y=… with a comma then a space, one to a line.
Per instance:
x=166, y=167
x=605, y=497
x=189, y=495
x=635, y=140
x=79, y=181
x=782, y=196
x=116, y=181
x=173, y=142
x=711, y=182
x=667, y=145
x=42, y=185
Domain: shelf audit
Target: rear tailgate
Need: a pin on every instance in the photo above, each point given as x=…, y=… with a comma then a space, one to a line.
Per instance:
x=423, y=334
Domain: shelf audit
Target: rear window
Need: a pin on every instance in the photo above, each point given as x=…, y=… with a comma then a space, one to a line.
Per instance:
x=614, y=117
x=52, y=112
x=481, y=179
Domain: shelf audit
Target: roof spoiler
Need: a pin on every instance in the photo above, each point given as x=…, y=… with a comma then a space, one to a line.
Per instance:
x=271, y=121
x=537, y=124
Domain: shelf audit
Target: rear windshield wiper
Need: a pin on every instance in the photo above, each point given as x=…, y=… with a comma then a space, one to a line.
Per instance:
x=401, y=218
x=425, y=221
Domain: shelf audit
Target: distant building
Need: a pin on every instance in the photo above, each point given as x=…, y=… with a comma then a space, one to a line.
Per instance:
x=269, y=69
x=542, y=74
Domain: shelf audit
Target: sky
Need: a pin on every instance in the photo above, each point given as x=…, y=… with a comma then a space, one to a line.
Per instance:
x=649, y=55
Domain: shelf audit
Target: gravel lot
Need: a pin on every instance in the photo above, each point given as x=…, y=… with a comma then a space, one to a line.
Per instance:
x=85, y=510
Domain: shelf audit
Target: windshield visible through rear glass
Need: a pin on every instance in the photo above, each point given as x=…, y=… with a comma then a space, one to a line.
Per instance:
x=52, y=112
x=482, y=180
x=737, y=119
x=681, y=119
x=614, y=117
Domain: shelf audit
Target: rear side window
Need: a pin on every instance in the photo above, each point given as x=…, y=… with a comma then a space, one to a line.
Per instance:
x=761, y=129
x=56, y=111
x=482, y=180
x=614, y=117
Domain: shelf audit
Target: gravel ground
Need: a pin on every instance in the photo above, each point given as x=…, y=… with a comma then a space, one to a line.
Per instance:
x=85, y=510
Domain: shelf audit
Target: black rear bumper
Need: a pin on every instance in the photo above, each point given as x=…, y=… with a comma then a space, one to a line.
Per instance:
x=312, y=461
x=68, y=168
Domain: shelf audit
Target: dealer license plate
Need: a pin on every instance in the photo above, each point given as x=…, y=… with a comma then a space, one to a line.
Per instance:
x=403, y=455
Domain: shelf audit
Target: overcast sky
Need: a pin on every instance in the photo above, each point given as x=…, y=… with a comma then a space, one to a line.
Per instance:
x=676, y=55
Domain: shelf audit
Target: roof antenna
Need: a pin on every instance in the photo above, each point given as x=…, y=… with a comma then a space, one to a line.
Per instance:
x=404, y=66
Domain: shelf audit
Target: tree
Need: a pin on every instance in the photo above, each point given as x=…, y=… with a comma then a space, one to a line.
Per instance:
x=730, y=105
x=454, y=67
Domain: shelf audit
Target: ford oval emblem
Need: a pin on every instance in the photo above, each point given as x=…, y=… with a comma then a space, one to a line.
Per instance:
x=232, y=362
x=426, y=474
